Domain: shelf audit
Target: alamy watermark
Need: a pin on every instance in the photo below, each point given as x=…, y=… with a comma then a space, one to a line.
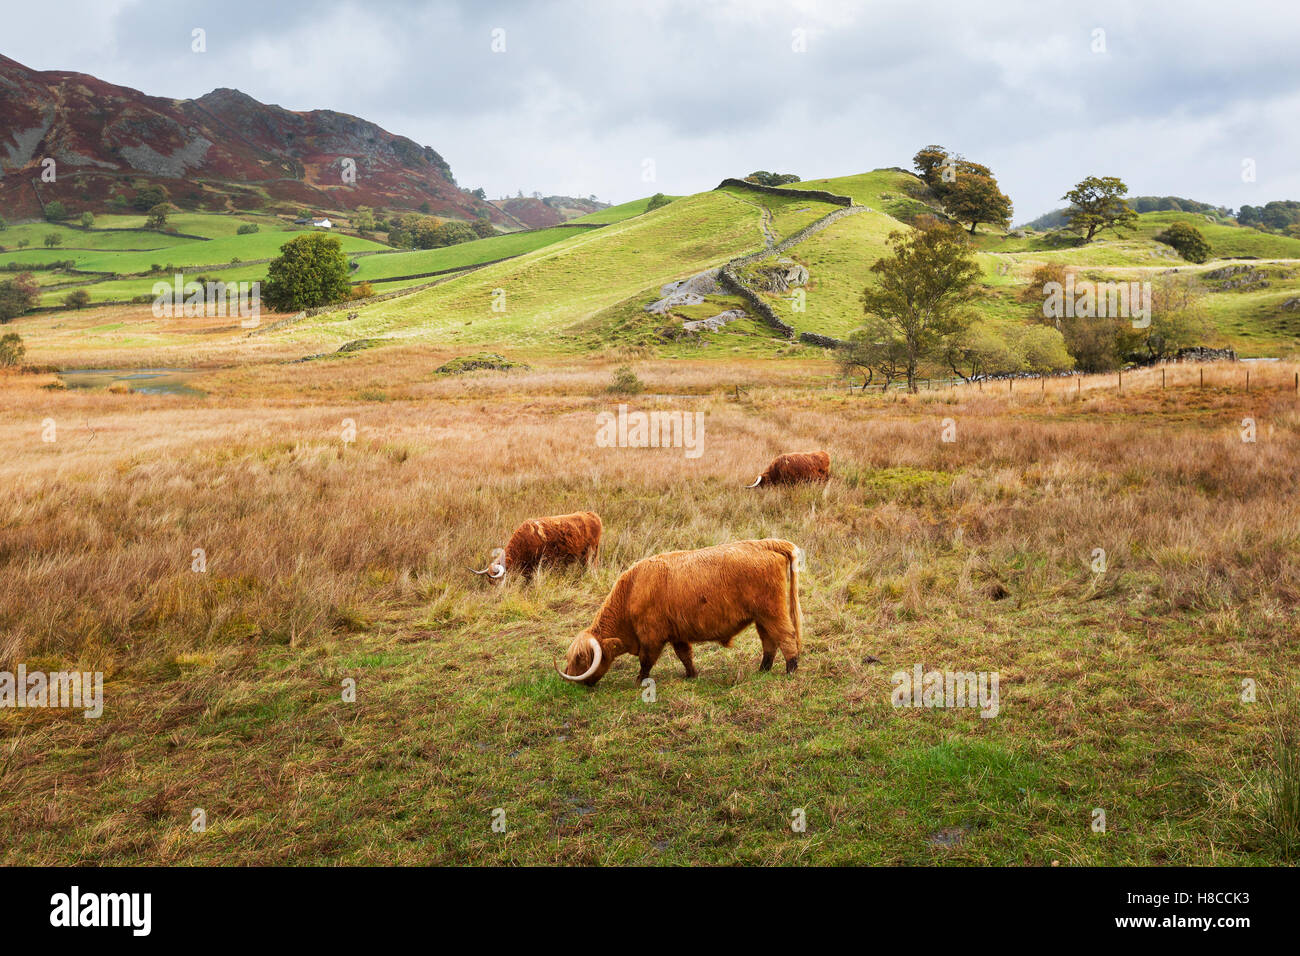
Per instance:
x=55, y=689
x=651, y=430
x=946, y=689
x=1101, y=300
x=194, y=299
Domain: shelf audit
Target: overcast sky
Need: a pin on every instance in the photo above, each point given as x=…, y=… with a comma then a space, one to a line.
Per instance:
x=586, y=95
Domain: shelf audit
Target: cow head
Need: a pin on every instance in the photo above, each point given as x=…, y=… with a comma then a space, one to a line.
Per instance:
x=588, y=659
x=496, y=568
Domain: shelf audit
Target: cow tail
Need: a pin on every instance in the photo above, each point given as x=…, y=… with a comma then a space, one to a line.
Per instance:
x=796, y=615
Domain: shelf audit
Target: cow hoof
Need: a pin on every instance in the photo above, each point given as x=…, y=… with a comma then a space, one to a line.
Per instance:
x=792, y=665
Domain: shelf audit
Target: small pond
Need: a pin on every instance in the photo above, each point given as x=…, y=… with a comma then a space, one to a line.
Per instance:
x=151, y=381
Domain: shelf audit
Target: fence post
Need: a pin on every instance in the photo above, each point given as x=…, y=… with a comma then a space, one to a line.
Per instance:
x=1248, y=380
x=1162, y=377
x=1202, y=378
x=1121, y=380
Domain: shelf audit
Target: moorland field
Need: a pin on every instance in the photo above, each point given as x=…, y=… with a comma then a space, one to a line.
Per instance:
x=331, y=558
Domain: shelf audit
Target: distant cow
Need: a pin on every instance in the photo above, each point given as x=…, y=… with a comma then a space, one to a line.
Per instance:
x=795, y=469
x=691, y=597
x=560, y=539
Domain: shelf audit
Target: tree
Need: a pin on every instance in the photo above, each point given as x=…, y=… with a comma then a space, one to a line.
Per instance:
x=247, y=229
x=147, y=197
x=158, y=214
x=453, y=232
x=1187, y=240
x=12, y=349
x=24, y=243
x=929, y=161
x=974, y=197
x=980, y=351
x=52, y=239
x=17, y=295
x=483, y=227
x=363, y=219
x=87, y=219
x=657, y=201
x=310, y=271
x=479, y=193
x=1097, y=203
x=763, y=178
x=77, y=299
x=54, y=211
x=1178, y=317
x=921, y=292
x=873, y=350
x=3, y=225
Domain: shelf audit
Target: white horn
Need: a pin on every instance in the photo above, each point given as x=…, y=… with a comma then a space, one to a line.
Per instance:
x=595, y=662
x=498, y=571
x=756, y=481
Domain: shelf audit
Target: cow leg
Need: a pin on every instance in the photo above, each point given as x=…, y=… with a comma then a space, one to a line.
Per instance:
x=780, y=634
x=649, y=654
x=769, y=646
x=686, y=656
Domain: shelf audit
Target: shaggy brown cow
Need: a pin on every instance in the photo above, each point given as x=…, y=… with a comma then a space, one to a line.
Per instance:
x=559, y=539
x=688, y=597
x=795, y=468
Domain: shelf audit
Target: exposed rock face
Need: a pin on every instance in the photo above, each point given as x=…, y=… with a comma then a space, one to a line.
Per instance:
x=714, y=322
x=686, y=292
x=108, y=139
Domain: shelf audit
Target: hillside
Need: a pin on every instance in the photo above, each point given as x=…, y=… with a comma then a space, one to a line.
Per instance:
x=223, y=151
x=536, y=212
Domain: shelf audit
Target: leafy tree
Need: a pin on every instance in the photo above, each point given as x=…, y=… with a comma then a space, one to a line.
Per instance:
x=658, y=200
x=158, y=214
x=1097, y=203
x=1187, y=240
x=921, y=292
x=17, y=295
x=1041, y=349
x=483, y=228
x=974, y=197
x=77, y=299
x=248, y=229
x=479, y=193
x=3, y=225
x=929, y=161
x=363, y=219
x=147, y=197
x=52, y=239
x=24, y=243
x=87, y=219
x=763, y=178
x=453, y=231
x=1178, y=317
x=54, y=211
x=310, y=271
x=874, y=350
x=980, y=351
x=12, y=349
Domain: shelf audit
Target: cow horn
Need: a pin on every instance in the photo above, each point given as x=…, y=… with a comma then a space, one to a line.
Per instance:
x=756, y=481
x=497, y=571
x=484, y=571
x=595, y=662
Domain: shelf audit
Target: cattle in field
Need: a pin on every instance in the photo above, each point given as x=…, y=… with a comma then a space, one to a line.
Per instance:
x=682, y=598
x=559, y=539
x=796, y=468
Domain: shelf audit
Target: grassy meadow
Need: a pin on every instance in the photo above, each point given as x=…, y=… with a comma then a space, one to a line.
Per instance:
x=335, y=501
x=329, y=560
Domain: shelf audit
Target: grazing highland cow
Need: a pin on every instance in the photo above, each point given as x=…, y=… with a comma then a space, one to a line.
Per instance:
x=796, y=468
x=689, y=597
x=560, y=539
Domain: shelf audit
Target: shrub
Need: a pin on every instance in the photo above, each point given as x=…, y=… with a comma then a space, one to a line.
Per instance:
x=625, y=382
x=55, y=211
x=657, y=201
x=12, y=349
x=77, y=299
x=1187, y=240
x=87, y=219
x=362, y=290
x=247, y=229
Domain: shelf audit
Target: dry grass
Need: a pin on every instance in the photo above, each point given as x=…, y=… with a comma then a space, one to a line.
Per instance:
x=327, y=559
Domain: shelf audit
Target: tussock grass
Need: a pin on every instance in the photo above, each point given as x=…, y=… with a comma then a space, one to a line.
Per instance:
x=328, y=561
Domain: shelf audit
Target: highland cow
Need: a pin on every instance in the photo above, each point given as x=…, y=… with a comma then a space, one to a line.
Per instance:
x=682, y=598
x=796, y=468
x=560, y=539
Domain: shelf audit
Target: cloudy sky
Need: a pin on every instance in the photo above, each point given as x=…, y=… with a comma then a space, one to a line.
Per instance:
x=595, y=97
